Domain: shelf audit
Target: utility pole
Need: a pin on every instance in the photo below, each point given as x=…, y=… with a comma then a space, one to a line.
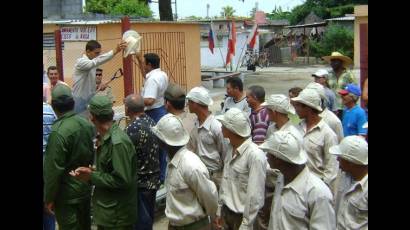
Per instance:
x=207, y=10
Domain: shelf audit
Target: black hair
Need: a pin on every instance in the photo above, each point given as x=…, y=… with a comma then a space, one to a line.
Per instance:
x=53, y=67
x=177, y=103
x=98, y=69
x=63, y=104
x=153, y=59
x=235, y=82
x=92, y=45
x=258, y=92
x=102, y=118
x=295, y=91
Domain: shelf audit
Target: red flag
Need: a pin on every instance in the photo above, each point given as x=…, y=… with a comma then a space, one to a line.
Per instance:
x=211, y=39
x=252, y=36
x=231, y=42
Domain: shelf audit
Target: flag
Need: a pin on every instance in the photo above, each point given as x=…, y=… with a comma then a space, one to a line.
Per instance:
x=231, y=42
x=211, y=39
x=252, y=36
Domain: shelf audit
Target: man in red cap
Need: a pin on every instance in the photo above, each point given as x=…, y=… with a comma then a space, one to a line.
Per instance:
x=354, y=116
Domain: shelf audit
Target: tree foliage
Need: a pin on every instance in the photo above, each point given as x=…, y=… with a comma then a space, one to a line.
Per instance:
x=119, y=7
x=278, y=13
x=227, y=12
x=335, y=38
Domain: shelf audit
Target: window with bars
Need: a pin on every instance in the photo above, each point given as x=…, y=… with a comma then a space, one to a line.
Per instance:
x=48, y=42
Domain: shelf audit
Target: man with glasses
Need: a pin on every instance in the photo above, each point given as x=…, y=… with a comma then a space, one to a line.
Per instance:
x=102, y=88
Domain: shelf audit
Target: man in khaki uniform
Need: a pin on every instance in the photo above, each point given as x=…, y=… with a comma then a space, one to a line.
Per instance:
x=192, y=197
x=115, y=193
x=328, y=116
x=352, y=203
x=206, y=138
x=318, y=137
x=69, y=146
x=301, y=201
x=243, y=183
x=174, y=98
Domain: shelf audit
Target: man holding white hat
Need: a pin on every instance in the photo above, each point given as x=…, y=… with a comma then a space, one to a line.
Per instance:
x=339, y=76
x=192, y=197
x=243, y=183
x=317, y=136
x=206, y=138
x=329, y=117
x=352, y=204
x=321, y=76
x=301, y=200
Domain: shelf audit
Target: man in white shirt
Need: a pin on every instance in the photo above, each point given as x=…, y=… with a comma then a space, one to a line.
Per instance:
x=192, y=197
x=352, y=202
x=206, y=139
x=301, y=201
x=84, y=86
x=236, y=97
x=243, y=183
x=155, y=85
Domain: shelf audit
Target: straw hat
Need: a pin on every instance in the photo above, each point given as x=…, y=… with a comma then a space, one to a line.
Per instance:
x=336, y=55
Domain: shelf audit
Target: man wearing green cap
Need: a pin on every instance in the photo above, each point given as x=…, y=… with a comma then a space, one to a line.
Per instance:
x=69, y=146
x=115, y=194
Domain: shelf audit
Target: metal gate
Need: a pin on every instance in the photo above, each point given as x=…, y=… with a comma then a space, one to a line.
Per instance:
x=170, y=47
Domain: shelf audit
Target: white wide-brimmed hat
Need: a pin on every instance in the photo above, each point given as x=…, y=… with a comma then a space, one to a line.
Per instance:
x=320, y=89
x=170, y=130
x=285, y=146
x=236, y=121
x=310, y=98
x=133, y=40
x=279, y=103
x=200, y=95
x=336, y=55
x=353, y=149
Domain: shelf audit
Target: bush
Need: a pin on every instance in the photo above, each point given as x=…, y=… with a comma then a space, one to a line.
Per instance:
x=336, y=38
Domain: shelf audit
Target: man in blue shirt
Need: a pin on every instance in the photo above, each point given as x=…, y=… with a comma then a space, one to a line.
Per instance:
x=354, y=116
x=48, y=119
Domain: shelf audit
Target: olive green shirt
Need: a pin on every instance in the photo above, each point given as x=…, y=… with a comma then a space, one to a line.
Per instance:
x=336, y=85
x=115, y=180
x=69, y=146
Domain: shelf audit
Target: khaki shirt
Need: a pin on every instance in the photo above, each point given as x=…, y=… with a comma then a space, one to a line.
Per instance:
x=316, y=143
x=188, y=120
x=208, y=142
x=243, y=183
x=191, y=194
x=304, y=203
x=288, y=126
x=353, y=209
x=334, y=123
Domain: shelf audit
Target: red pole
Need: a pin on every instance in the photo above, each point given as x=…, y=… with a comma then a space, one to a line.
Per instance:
x=127, y=62
x=59, y=53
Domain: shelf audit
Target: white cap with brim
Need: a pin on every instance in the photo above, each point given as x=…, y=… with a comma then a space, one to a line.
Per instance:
x=310, y=98
x=236, y=121
x=170, y=130
x=285, y=146
x=321, y=73
x=353, y=149
x=279, y=103
x=200, y=95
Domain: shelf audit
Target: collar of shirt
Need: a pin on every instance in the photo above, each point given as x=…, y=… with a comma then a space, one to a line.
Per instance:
x=207, y=123
x=351, y=109
x=233, y=99
x=362, y=184
x=177, y=157
x=244, y=146
x=298, y=184
x=66, y=115
x=319, y=126
x=152, y=72
x=109, y=133
x=286, y=125
x=258, y=111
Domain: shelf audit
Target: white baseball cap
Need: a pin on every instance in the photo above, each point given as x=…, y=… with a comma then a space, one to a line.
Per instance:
x=200, y=95
x=320, y=89
x=285, y=146
x=310, y=98
x=170, y=130
x=321, y=73
x=236, y=121
x=353, y=149
x=279, y=103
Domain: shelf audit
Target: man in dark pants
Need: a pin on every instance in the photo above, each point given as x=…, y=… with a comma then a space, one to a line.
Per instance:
x=69, y=146
x=155, y=84
x=115, y=194
x=147, y=149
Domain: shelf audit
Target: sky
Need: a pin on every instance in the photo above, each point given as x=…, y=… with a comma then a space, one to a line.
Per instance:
x=197, y=8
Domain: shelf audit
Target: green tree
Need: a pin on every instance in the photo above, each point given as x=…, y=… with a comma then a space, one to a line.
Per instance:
x=119, y=7
x=335, y=38
x=227, y=12
x=278, y=13
x=253, y=12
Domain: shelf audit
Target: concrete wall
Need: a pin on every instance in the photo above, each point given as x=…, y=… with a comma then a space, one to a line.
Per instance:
x=361, y=17
x=56, y=9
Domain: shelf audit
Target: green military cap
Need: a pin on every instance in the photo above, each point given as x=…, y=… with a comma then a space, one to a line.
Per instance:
x=100, y=105
x=61, y=91
x=174, y=91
